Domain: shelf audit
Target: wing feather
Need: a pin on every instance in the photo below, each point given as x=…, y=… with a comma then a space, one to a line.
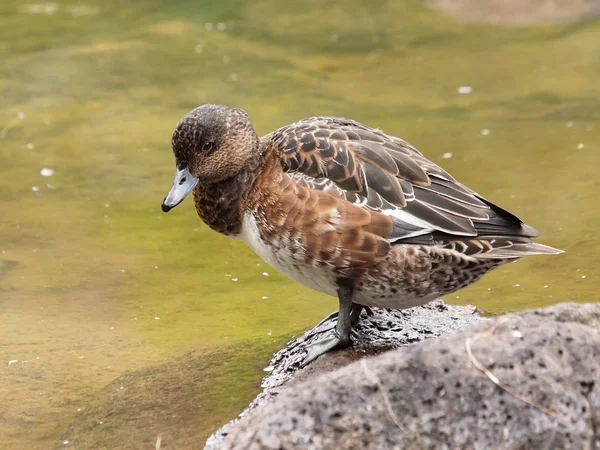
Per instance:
x=383, y=173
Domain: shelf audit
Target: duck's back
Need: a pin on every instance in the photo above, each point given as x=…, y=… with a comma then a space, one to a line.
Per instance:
x=384, y=174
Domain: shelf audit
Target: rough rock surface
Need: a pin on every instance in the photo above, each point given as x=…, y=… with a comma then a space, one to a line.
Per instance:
x=519, y=12
x=385, y=330
x=542, y=390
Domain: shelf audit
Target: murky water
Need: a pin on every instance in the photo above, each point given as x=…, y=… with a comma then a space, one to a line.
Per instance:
x=96, y=282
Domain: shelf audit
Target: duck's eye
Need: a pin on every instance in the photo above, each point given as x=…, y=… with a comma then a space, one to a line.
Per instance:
x=208, y=146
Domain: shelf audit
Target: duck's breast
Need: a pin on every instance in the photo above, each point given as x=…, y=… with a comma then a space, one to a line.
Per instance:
x=285, y=258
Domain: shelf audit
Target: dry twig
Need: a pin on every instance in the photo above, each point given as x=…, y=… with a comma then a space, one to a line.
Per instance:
x=373, y=379
x=495, y=379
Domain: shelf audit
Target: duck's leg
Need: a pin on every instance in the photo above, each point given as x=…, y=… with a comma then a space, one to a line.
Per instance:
x=338, y=336
x=330, y=321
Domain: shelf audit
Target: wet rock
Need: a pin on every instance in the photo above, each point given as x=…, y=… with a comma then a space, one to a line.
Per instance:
x=526, y=380
x=519, y=12
x=385, y=330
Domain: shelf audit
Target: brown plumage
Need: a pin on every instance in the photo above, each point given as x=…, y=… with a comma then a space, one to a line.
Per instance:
x=326, y=230
x=343, y=208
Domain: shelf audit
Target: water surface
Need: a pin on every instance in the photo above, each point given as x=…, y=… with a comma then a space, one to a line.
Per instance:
x=96, y=282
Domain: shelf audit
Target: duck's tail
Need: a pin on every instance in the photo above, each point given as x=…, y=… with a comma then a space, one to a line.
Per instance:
x=512, y=250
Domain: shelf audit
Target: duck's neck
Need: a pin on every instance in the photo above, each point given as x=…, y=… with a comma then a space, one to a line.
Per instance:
x=222, y=205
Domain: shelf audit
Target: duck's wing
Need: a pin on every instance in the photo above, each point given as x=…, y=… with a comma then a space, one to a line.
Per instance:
x=383, y=173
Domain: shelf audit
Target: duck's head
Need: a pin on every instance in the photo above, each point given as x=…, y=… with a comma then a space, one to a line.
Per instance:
x=211, y=144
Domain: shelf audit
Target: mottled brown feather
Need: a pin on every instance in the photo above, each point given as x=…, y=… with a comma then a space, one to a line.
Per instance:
x=325, y=229
x=389, y=175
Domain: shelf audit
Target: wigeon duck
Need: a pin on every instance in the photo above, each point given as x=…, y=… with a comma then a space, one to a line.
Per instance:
x=344, y=209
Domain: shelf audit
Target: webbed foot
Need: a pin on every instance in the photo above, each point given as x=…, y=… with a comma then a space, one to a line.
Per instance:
x=335, y=330
x=330, y=340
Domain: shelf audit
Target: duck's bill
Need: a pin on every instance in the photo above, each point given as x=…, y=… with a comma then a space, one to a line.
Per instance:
x=183, y=184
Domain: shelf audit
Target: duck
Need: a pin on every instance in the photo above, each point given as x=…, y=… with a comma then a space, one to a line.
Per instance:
x=344, y=209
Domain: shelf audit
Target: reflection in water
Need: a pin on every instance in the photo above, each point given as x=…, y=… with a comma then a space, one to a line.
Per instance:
x=95, y=283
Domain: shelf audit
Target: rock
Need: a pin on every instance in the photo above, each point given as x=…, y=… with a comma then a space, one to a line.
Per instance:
x=385, y=330
x=177, y=401
x=519, y=12
x=540, y=389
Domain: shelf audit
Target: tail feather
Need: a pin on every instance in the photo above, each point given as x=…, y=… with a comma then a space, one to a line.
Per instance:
x=519, y=249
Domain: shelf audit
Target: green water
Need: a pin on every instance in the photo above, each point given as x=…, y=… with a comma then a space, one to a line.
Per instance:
x=96, y=282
